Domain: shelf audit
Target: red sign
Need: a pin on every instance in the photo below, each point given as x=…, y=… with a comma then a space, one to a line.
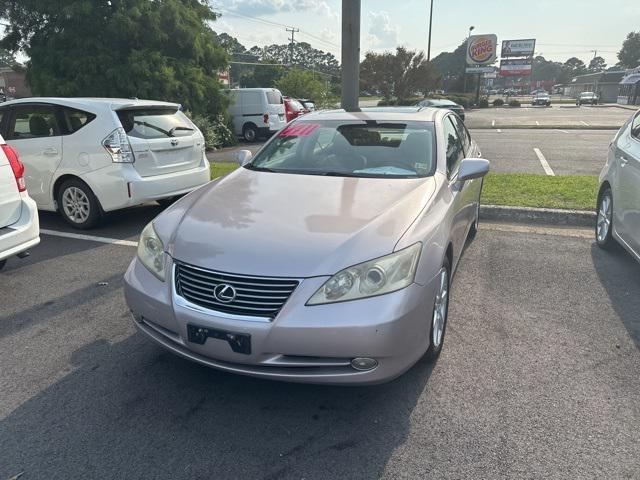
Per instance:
x=516, y=68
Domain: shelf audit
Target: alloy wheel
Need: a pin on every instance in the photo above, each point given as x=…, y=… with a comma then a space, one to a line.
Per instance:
x=76, y=205
x=440, y=309
x=605, y=213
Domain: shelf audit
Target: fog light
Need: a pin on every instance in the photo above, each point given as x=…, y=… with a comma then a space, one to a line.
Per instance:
x=364, y=364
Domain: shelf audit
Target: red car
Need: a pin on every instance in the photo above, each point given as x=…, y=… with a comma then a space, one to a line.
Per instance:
x=293, y=109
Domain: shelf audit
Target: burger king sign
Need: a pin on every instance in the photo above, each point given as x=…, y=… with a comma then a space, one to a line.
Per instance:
x=481, y=49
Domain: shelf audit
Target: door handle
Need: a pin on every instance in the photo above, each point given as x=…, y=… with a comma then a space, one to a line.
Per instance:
x=50, y=151
x=623, y=161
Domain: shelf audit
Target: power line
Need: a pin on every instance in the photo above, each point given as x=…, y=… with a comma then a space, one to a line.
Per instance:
x=291, y=45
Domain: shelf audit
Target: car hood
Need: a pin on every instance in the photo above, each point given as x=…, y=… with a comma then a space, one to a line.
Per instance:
x=272, y=224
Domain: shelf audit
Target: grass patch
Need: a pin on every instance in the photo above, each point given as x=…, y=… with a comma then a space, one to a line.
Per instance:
x=542, y=191
x=218, y=169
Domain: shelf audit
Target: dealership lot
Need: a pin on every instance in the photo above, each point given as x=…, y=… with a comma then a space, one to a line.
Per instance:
x=538, y=378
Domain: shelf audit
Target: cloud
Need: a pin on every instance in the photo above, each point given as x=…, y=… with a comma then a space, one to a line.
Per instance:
x=382, y=34
x=256, y=8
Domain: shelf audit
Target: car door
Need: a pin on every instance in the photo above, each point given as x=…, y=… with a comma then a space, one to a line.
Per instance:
x=33, y=130
x=627, y=221
x=471, y=188
x=454, y=155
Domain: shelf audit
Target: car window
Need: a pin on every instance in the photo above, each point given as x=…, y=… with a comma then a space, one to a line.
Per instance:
x=155, y=123
x=74, y=119
x=462, y=132
x=455, y=152
x=353, y=148
x=635, y=127
x=33, y=121
x=274, y=98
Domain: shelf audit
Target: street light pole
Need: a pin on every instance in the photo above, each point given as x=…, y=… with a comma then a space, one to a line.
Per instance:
x=464, y=90
x=350, y=54
x=430, y=24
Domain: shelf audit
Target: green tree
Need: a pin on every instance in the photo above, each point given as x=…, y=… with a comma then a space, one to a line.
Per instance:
x=572, y=68
x=544, y=69
x=403, y=74
x=160, y=49
x=451, y=66
x=597, y=64
x=629, y=54
x=302, y=84
x=264, y=75
x=7, y=59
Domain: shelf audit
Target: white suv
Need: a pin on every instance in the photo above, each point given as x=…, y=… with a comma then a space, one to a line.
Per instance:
x=86, y=156
x=19, y=227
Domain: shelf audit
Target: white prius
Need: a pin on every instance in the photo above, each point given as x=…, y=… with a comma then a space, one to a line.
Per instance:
x=87, y=156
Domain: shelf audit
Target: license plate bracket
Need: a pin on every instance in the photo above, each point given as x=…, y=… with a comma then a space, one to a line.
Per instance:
x=239, y=342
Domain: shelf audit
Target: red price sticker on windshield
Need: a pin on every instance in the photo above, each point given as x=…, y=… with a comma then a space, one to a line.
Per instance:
x=299, y=130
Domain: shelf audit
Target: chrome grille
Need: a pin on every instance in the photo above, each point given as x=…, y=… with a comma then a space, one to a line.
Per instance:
x=255, y=296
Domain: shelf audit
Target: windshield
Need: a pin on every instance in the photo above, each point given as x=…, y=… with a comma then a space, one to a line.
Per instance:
x=155, y=123
x=586, y=94
x=352, y=149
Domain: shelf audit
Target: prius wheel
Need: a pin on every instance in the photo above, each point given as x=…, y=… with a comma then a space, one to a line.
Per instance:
x=78, y=205
x=604, y=222
x=440, y=312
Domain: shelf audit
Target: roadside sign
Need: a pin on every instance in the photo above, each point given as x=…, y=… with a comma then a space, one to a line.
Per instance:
x=518, y=48
x=477, y=69
x=481, y=49
x=517, y=67
x=491, y=75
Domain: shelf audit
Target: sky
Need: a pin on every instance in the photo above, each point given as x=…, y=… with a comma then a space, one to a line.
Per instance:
x=562, y=28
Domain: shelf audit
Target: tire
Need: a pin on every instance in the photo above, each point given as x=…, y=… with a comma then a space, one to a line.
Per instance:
x=437, y=328
x=167, y=202
x=3, y=263
x=250, y=132
x=77, y=204
x=604, y=221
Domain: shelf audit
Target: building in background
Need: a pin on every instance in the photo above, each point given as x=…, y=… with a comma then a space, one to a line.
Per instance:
x=629, y=93
x=13, y=83
x=605, y=84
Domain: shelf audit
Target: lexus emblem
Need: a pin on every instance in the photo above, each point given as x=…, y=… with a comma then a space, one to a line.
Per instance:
x=224, y=293
x=174, y=142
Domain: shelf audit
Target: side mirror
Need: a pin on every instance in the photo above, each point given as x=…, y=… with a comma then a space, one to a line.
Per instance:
x=471, y=168
x=244, y=156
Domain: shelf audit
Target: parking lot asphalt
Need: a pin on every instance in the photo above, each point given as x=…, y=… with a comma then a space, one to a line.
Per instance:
x=557, y=115
x=538, y=378
x=567, y=152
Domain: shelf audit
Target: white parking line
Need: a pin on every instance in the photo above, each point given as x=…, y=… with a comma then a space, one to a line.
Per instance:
x=499, y=131
x=90, y=238
x=584, y=123
x=537, y=123
x=543, y=161
x=493, y=124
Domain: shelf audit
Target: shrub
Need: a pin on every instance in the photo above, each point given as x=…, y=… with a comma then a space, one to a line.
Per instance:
x=514, y=103
x=498, y=102
x=483, y=103
x=217, y=131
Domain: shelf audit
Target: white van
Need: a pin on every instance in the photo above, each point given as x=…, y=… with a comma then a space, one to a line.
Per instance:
x=256, y=112
x=87, y=156
x=19, y=226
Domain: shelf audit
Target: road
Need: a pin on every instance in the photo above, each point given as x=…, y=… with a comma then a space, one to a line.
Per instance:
x=567, y=152
x=538, y=378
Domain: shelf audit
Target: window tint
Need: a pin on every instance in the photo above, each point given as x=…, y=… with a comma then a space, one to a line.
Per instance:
x=155, y=123
x=74, y=119
x=274, y=98
x=635, y=127
x=33, y=121
x=455, y=153
x=462, y=132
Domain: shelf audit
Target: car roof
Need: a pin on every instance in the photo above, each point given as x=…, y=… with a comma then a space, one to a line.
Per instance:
x=418, y=114
x=79, y=102
x=440, y=101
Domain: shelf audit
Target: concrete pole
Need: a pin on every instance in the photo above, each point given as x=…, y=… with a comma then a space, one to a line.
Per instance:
x=350, y=54
x=430, y=25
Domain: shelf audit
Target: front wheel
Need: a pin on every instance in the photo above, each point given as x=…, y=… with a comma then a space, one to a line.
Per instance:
x=604, y=222
x=250, y=133
x=438, y=321
x=78, y=205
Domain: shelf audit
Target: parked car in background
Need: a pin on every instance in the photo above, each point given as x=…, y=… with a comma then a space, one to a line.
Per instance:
x=256, y=112
x=87, y=156
x=541, y=99
x=19, y=226
x=588, y=98
x=327, y=258
x=619, y=196
x=293, y=109
x=308, y=104
x=442, y=103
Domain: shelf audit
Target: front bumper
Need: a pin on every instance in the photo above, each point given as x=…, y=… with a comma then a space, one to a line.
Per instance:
x=302, y=344
x=23, y=234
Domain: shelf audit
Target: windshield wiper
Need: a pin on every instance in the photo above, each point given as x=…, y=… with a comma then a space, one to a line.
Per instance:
x=340, y=174
x=173, y=130
x=251, y=166
x=161, y=130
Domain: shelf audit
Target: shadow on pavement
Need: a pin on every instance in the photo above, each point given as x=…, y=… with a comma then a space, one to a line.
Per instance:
x=131, y=410
x=619, y=273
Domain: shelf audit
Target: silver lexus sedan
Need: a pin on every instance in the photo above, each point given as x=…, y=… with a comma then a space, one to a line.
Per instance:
x=326, y=258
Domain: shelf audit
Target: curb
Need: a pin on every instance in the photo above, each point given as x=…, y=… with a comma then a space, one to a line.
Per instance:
x=545, y=127
x=547, y=216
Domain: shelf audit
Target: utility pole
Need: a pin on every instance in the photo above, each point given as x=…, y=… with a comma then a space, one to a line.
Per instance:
x=464, y=90
x=350, y=54
x=430, y=24
x=293, y=32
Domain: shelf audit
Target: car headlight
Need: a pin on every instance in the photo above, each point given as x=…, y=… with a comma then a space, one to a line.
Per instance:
x=151, y=251
x=375, y=277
